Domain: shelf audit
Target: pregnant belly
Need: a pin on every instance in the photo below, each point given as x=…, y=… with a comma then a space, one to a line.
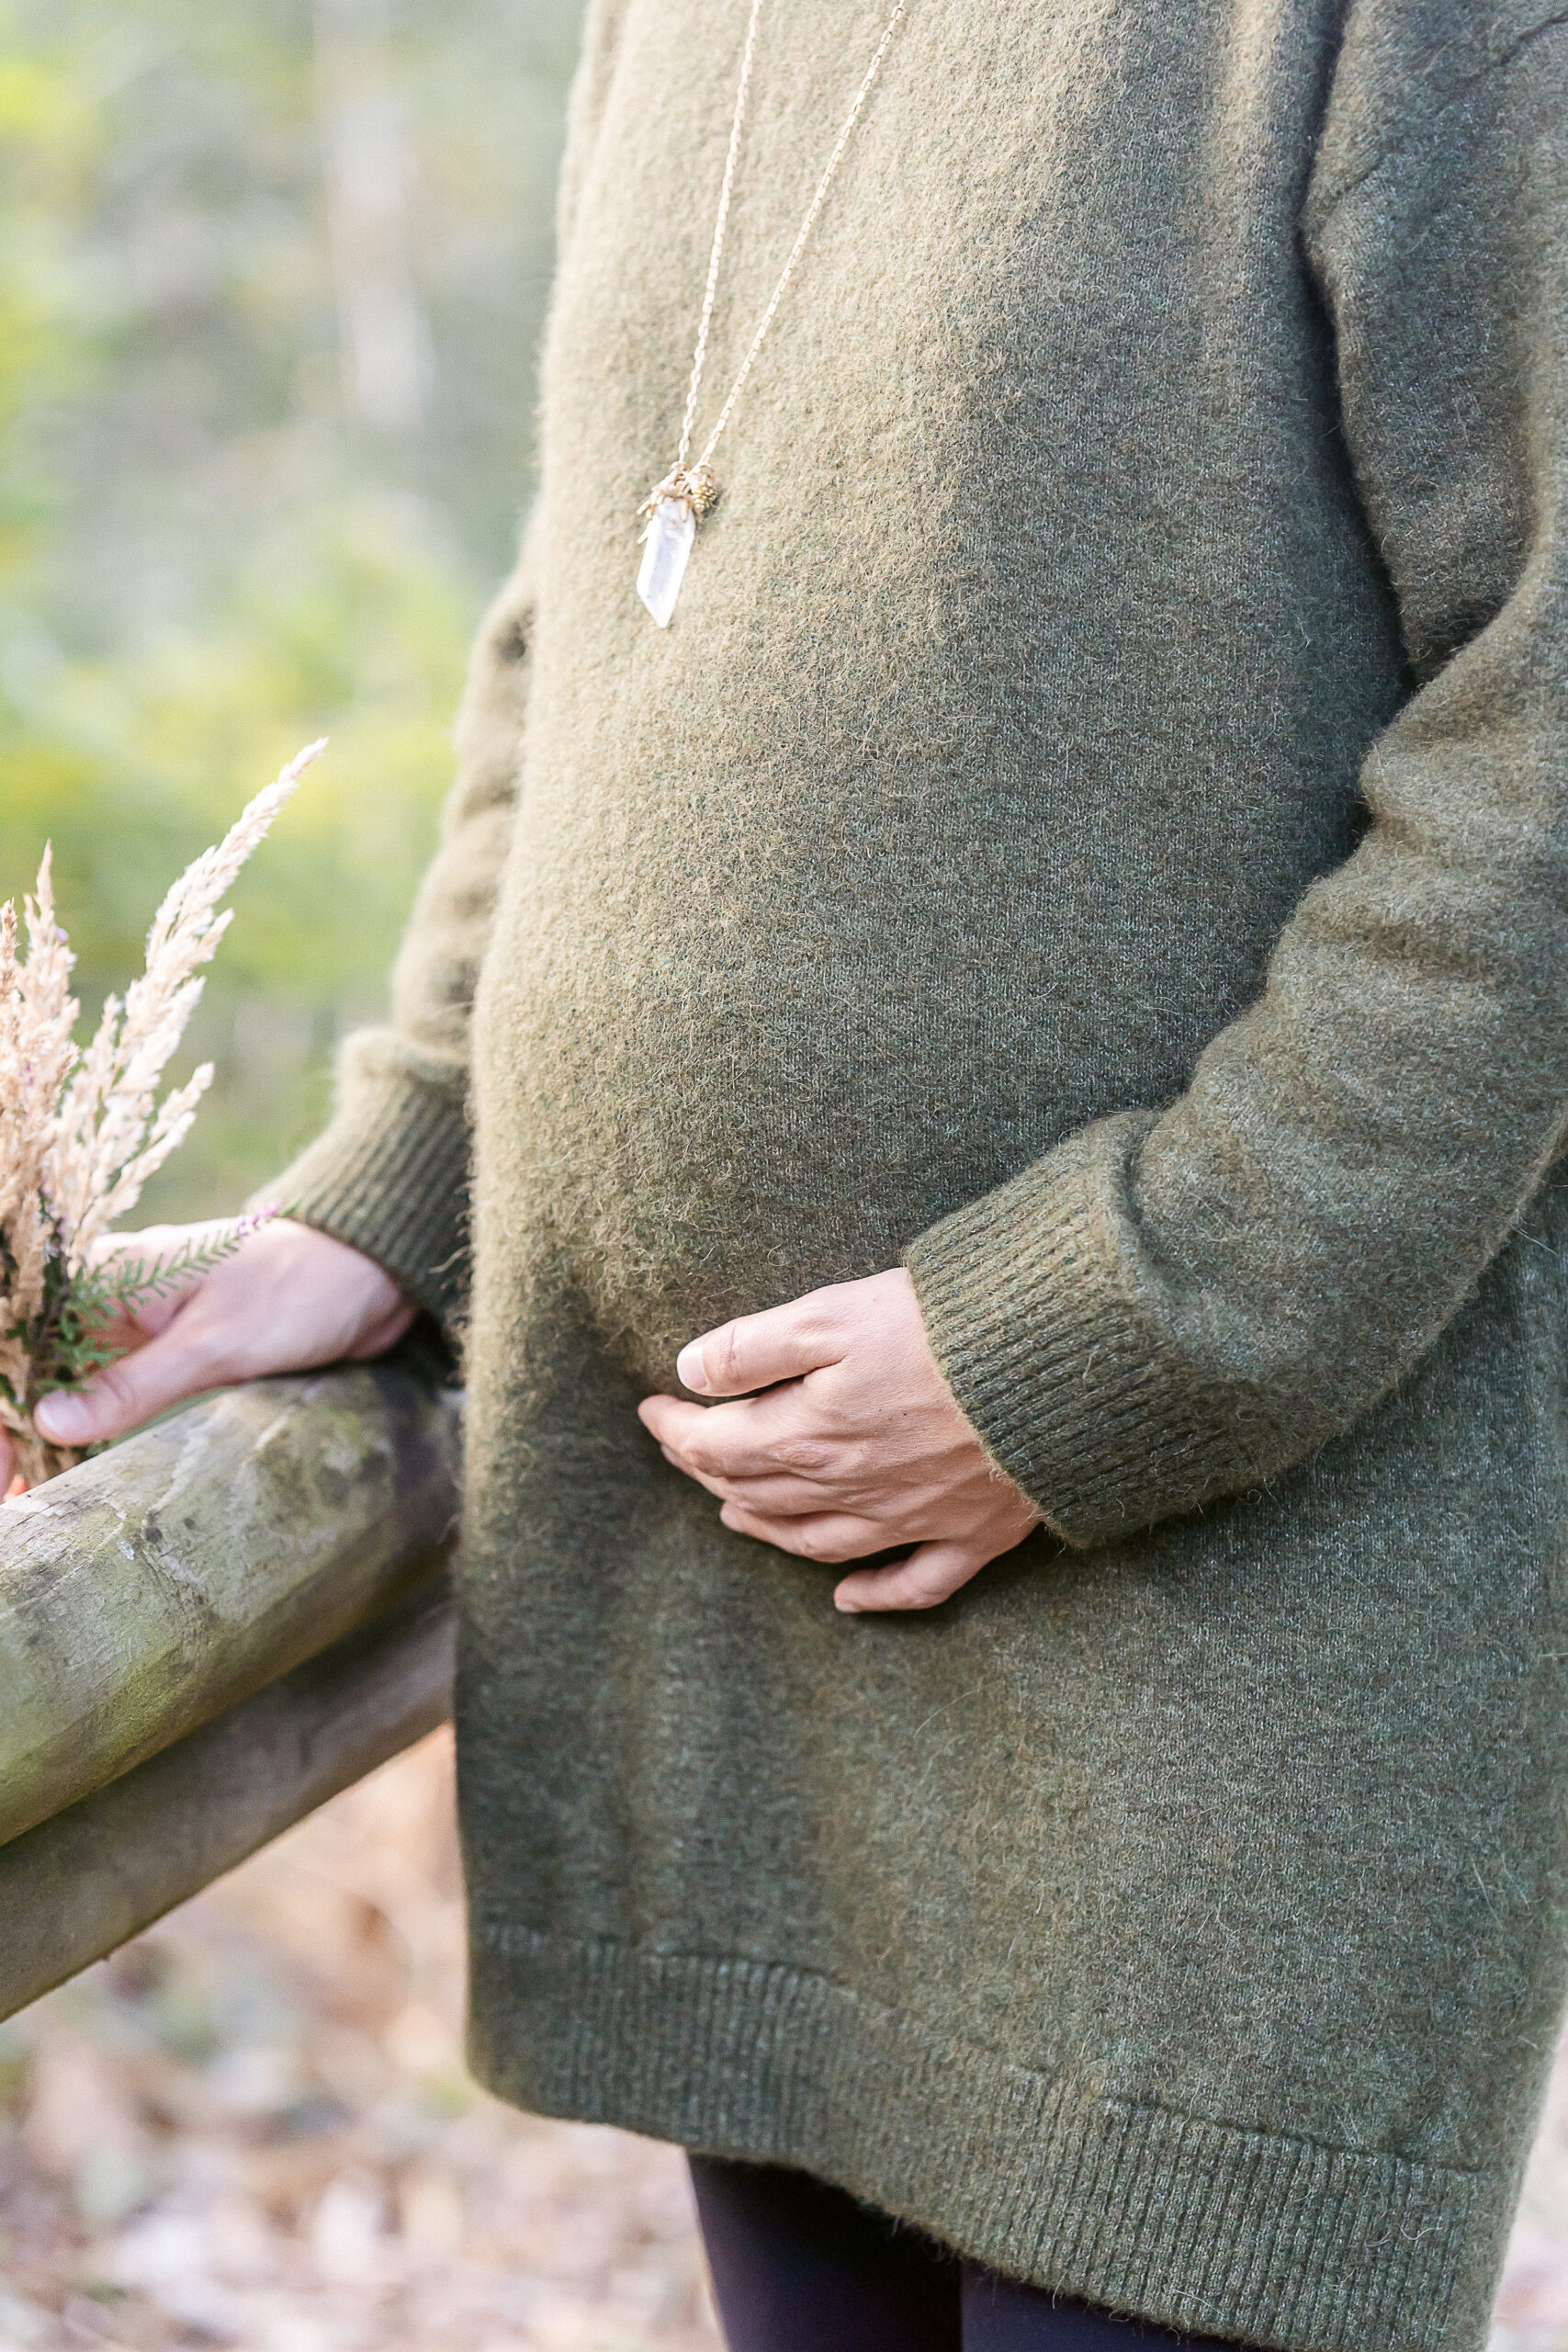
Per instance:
x=710, y=1120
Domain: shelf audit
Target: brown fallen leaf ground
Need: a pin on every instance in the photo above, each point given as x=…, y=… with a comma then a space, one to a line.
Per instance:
x=253, y=2129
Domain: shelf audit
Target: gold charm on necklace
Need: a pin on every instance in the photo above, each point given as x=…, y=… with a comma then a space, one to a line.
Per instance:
x=669, y=515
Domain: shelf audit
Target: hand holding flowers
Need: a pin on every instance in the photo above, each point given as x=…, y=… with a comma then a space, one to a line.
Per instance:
x=81, y=1132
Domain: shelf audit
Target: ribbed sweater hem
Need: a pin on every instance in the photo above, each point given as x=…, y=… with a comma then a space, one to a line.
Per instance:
x=1194, y=2224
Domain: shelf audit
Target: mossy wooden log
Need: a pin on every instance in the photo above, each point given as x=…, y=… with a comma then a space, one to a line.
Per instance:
x=153, y=1588
x=77, y=1886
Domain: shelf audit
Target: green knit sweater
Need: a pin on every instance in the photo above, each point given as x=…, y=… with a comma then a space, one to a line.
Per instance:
x=1098, y=826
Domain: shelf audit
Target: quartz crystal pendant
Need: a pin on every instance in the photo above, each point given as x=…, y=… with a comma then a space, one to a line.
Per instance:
x=666, y=547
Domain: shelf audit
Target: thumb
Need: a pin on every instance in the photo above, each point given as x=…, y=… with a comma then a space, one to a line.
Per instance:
x=758, y=1351
x=174, y=1365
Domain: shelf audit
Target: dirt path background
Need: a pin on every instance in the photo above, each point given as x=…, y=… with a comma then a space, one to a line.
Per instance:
x=253, y=2129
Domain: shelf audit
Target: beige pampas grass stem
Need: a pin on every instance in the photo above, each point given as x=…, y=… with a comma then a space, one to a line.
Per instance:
x=81, y=1131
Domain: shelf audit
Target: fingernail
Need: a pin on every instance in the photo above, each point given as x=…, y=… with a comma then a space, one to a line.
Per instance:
x=847, y=1607
x=690, y=1370
x=66, y=1420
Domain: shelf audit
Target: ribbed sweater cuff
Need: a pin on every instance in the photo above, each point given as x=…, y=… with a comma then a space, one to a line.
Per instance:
x=1058, y=1346
x=390, y=1177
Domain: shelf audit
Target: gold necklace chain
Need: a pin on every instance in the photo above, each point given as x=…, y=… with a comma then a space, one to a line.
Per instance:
x=693, y=485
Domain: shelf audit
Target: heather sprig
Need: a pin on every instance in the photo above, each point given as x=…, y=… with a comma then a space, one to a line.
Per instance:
x=75, y=1333
x=82, y=1129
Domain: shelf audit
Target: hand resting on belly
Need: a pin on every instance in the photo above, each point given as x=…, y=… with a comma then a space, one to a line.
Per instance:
x=854, y=1444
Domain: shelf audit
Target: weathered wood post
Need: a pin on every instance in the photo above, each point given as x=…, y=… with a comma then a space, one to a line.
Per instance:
x=204, y=1633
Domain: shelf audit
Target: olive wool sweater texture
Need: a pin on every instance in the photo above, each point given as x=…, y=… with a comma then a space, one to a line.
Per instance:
x=1096, y=827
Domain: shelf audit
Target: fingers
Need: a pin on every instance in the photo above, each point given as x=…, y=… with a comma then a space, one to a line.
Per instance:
x=758, y=1351
x=831, y=1535
x=129, y=1254
x=754, y=1439
x=931, y=1574
x=290, y=1298
x=776, y=1497
x=114, y=1401
x=177, y=1364
x=841, y=1439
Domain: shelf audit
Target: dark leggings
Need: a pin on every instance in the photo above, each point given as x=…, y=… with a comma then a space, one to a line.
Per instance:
x=798, y=2267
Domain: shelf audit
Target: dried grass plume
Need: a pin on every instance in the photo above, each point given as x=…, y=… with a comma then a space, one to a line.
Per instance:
x=82, y=1130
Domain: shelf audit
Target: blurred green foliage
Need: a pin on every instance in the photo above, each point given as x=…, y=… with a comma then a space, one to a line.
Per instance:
x=272, y=274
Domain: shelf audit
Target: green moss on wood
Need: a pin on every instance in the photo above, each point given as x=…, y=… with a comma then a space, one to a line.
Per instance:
x=146, y=1591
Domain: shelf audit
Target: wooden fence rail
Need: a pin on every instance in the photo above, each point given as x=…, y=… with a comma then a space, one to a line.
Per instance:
x=206, y=1632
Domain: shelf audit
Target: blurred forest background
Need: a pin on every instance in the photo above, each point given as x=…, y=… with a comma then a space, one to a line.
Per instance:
x=272, y=274
x=272, y=277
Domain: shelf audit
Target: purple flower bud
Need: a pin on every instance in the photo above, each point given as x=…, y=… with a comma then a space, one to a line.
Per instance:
x=251, y=1220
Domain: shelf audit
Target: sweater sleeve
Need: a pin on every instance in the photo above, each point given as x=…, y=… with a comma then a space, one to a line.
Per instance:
x=390, y=1172
x=1180, y=1304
